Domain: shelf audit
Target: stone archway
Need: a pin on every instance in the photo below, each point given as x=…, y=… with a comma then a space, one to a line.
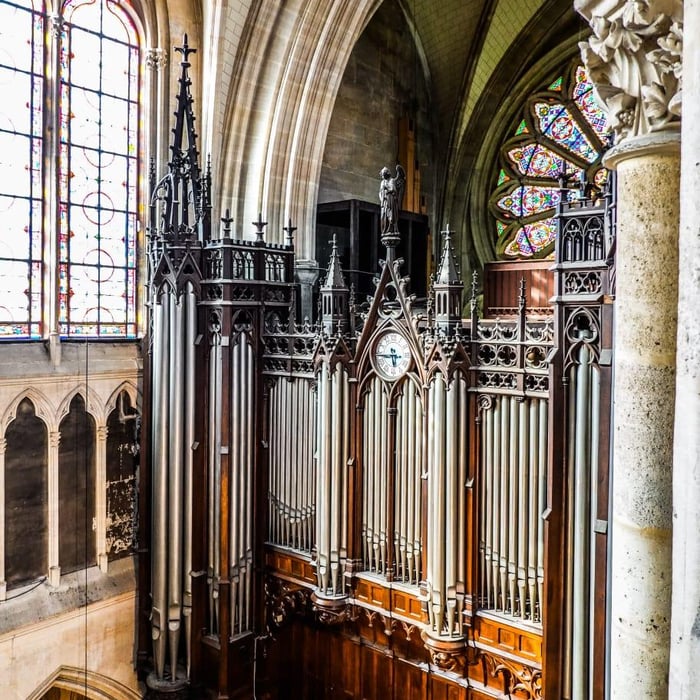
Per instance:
x=69, y=683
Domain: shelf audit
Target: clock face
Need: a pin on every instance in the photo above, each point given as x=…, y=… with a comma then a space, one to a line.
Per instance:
x=392, y=355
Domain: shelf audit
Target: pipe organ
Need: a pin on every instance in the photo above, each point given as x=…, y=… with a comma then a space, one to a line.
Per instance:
x=388, y=487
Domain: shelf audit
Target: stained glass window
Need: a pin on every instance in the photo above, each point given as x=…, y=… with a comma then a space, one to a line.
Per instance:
x=560, y=136
x=21, y=172
x=81, y=243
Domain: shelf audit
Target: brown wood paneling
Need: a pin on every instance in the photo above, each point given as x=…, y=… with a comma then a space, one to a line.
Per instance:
x=501, y=286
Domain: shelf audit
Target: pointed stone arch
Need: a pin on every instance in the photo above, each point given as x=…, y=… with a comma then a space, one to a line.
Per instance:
x=42, y=408
x=92, y=685
x=289, y=74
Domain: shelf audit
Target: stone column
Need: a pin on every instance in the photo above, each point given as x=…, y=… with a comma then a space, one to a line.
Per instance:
x=684, y=681
x=633, y=58
x=101, y=498
x=53, y=499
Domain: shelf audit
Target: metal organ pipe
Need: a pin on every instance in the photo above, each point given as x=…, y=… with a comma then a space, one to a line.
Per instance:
x=513, y=475
x=332, y=456
x=189, y=440
x=583, y=426
x=293, y=430
x=241, y=487
x=214, y=478
x=447, y=426
x=174, y=331
x=161, y=311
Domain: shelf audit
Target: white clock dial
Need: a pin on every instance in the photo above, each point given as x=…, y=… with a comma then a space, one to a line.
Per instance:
x=392, y=355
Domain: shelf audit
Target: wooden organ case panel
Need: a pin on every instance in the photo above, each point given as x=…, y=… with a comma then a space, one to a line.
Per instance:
x=388, y=502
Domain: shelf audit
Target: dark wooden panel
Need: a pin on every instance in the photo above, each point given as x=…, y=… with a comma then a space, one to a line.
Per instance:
x=501, y=285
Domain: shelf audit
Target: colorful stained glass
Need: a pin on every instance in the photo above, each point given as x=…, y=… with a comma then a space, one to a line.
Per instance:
x=524, y=213
x=528, y=200
x=21, y=128
x=532, y=238
x=587, y=103
x=99, y=192
x=535, y=160
x=556, y=122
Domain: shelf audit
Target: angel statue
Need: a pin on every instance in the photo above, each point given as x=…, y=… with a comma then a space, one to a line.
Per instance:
x=390, y=196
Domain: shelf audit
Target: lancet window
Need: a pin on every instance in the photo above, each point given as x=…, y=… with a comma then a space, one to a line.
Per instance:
x=69, y=160
x=554, y=152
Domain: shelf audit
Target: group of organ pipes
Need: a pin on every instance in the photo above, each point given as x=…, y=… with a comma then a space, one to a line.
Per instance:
x=387, y=460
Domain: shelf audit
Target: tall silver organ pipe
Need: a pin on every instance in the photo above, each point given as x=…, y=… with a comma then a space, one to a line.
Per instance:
x=242, y=455
x=374, y=478
x=332, y=454
x=214, y=476
x=446, y=572
x=292, y=478
x=173, y=384
x=407, y=487
x=513, y=489
x=583, y=429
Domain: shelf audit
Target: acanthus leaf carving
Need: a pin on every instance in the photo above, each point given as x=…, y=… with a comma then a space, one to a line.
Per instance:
x=634, y=59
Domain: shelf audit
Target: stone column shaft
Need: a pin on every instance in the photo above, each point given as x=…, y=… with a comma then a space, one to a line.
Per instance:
x=648, y=171
x=684, y=681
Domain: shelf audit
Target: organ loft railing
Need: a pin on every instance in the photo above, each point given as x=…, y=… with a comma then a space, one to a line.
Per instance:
x=385, y=487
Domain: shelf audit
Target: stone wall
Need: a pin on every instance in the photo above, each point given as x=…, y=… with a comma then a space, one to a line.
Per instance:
x=383, y=81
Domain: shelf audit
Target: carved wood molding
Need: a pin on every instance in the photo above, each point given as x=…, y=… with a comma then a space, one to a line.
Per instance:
x=516, y=677
x=448, y=654
x=283, y=600
x=634, y=59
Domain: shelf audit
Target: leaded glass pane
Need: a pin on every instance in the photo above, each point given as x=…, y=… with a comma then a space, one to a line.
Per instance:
x=99, y=194
x=559, y=139
x=557, y=122
x=528, y=200
x=587, y=103
x=21, y=115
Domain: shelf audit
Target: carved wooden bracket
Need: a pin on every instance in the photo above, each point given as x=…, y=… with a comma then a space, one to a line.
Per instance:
x=516, y=676
x=448, y=653
x=331, y=611
x=283, y=600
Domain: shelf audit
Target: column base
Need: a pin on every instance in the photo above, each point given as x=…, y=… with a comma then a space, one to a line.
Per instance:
x=55, y=576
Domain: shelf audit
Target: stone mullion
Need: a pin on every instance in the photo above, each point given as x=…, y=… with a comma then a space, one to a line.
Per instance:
x=101, y=497
x=53, y=508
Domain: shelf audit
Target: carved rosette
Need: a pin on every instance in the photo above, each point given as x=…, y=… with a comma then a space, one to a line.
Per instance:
x=634, y=59
x=331, y=610
x=447, y=653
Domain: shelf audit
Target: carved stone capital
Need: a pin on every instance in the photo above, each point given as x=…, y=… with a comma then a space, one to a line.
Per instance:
x=156, y=59
x=634, y=60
